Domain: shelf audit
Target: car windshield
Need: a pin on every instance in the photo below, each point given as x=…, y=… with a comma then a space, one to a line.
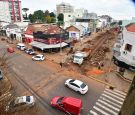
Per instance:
x=28, y=98
x=60, y=99
x=83, y=85
x=71, y=81
x=37, y=56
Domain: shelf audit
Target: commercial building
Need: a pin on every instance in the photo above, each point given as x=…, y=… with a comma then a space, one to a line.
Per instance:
x=64, y=8
x=10, y=11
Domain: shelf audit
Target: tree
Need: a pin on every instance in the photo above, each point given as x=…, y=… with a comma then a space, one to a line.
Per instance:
x=60, y=18
x=38, y=16
x=52, y=15
x=31, y=18
x=47, y=13
x=48, y=19
x=25, y=10
x=120, y=22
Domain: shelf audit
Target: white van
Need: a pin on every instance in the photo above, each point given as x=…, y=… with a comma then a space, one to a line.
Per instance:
x=21, y=46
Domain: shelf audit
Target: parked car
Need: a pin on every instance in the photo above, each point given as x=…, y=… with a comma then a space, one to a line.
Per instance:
x=69, y=105
x=38, y=57
x=30, y=51
x=1, y=75
x=10, y=50
x=77, y=85
x=21, y=46
x=20, y=102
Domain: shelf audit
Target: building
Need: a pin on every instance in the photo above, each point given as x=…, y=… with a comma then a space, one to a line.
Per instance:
x=124, y=48
x=64, y=8
x=126, y=22
x=28, y=32
x=4, y=11
x=74, y=33
x=49, y=38
x=10, y=10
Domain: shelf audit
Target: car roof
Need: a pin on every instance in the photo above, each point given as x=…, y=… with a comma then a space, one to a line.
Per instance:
x=39, y=55
x=20, y=99
x=78, y=82
x=20, y=44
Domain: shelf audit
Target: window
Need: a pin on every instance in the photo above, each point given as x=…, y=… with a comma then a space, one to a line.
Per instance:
x=60, y=99
x=128, y=47
x=83, y=85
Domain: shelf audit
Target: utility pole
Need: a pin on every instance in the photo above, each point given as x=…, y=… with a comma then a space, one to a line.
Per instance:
x=128, y=107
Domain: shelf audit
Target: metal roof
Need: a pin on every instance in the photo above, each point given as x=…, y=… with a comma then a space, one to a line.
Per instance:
x=43, y=46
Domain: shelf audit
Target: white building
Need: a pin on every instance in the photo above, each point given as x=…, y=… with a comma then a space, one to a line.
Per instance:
x=4, y=11
x=79, y=13
x=124, y=50
x=10, y=11
x=64, y=8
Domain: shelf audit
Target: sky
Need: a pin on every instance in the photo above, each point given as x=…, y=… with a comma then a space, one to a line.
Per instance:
x=118, y=9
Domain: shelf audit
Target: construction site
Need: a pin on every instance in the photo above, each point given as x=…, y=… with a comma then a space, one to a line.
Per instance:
x=96, y=64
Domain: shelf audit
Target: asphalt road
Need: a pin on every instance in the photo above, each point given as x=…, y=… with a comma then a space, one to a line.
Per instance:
x=47, y=83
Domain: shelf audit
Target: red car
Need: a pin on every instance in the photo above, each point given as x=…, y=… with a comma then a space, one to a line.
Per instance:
x=69, y=105
x=10, y=50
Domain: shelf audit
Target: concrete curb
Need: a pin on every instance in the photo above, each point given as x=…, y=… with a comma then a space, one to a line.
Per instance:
x=100, y=81
x=124, y=78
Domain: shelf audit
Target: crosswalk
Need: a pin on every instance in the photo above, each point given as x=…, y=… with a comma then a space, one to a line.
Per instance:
x=109, y=103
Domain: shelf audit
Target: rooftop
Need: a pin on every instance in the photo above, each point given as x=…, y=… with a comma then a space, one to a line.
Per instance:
x=131, y=27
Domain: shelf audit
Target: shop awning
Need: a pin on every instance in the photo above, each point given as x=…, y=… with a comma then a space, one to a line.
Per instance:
x=44, y=46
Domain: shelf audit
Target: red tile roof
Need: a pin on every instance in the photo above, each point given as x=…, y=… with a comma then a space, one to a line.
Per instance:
x=46, y=29
x=131, y=27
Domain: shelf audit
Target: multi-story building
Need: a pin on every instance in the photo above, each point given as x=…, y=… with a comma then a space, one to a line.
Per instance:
x=64, y=8
x=10, y=10
x=124, y=48
x=4, y=11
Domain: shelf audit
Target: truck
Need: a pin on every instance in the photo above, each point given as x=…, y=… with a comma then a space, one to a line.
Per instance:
x=69, y=105
x=80, y=56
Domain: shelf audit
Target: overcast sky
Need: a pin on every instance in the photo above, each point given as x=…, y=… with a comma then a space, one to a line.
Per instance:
x=118, y=9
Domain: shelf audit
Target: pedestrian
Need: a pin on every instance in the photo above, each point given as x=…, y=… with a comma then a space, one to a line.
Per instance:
x=99, y=65
x=61, y=64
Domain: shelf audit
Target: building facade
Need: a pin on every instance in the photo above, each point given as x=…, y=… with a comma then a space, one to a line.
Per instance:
x=10, y=10
x=124, y=48
x=64, y=8
x=4, y=11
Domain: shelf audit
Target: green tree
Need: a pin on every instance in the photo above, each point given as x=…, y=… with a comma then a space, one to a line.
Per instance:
x=48, y=19
x=31, y=18
x=38, y=16
x=60, y=17
x=47, y=13
x=25, y=10
x=52, y=14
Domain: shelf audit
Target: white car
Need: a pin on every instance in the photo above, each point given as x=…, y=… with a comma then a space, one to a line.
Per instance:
x=38, y=57
x=21, y=46
x=18, y=102
x=77, y=85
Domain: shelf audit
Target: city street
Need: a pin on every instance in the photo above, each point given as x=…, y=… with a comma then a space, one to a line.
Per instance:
x=45, y=83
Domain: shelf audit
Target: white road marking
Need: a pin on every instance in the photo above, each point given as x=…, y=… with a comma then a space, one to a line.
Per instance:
x=112, y=95
x=108, y=105
x=105, y=108
x=100, y=110
x=92, y=112
x=120, y=92
x=106, y=100
x=115, y=93
x=112, y=99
